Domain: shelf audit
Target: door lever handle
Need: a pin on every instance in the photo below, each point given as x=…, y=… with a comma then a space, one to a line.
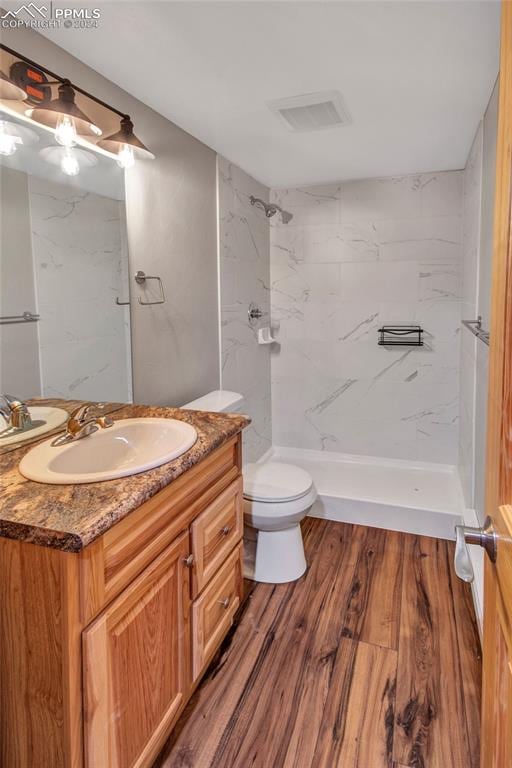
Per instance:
x=485, y=537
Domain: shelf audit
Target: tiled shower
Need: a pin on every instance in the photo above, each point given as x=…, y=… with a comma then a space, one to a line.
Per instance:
x=392, y=427
x=244, y=278
x=356, y=256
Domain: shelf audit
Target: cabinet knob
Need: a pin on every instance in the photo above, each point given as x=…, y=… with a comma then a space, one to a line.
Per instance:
x=225, y=530
x=225, y=602
x=189, y=561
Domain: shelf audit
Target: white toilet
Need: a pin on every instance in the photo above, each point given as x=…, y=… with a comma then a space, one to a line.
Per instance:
x=276, y=498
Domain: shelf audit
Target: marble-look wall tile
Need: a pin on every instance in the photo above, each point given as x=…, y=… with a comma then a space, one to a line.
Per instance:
x=354, y=256
x=80, y=268
x=244, y=254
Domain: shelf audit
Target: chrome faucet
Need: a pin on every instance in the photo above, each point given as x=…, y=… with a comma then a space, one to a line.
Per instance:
x=15, y=413
x=79, y=424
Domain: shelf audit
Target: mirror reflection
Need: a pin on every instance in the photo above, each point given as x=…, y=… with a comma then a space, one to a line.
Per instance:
x=64, y=287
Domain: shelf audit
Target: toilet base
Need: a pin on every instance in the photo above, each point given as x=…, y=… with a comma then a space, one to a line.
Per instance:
x=274, y=557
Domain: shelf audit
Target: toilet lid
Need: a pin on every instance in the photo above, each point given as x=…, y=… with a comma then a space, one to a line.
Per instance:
x=275, y=482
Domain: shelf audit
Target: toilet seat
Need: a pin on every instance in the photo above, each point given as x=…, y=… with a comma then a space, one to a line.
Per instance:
x=275, y=483
x=278, y=515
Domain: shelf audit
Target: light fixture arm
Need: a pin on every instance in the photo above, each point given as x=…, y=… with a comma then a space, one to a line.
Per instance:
x=62, y=80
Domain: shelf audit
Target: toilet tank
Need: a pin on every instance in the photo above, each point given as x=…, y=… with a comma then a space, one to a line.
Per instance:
x=219, y=400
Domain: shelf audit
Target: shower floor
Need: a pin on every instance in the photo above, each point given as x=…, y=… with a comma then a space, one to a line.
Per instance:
x=414, y=497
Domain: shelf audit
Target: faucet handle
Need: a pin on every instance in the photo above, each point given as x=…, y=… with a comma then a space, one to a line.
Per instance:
x=17, y=414
x=105, y=421
x=79, y=417
x=81, y=413
x=14, y=403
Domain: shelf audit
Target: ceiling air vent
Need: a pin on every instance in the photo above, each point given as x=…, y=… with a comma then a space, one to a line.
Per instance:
x=311, y=111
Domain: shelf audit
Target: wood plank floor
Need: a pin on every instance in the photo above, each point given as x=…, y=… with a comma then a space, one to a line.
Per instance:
x=370, y=660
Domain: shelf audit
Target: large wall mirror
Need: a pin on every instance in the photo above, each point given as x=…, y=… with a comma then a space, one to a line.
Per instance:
x=64, y=280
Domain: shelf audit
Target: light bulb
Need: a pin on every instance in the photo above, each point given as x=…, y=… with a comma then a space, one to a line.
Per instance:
x=69, y=164
x=125, y=156
x=65, y=132
x=8, y=142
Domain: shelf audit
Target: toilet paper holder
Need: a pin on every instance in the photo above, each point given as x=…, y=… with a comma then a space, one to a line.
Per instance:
x=265, y=336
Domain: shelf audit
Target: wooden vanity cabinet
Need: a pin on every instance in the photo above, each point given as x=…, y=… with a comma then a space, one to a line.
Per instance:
x=101, y=650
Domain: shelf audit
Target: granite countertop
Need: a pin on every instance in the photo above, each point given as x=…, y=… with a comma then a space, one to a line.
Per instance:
x=69, y=517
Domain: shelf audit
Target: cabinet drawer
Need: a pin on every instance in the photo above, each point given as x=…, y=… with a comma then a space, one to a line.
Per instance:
x=214, y=534
x=213, y=611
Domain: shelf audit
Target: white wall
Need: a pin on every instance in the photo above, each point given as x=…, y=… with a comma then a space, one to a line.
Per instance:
x=244, y=263
x=80, y=268
x=356, y=255
x=479, y=182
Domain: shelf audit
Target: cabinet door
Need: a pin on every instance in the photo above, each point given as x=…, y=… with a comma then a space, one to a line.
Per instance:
x=137, y=665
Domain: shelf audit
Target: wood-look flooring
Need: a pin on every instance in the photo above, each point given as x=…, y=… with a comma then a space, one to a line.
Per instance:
x=370, y=660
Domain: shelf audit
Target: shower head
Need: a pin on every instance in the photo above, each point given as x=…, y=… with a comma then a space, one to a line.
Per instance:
x=271, y=209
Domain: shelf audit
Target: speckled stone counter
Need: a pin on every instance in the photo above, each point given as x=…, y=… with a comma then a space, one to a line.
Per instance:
x=69, y=517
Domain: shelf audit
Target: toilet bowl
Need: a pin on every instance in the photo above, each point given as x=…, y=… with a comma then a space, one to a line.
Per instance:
x=276, y=498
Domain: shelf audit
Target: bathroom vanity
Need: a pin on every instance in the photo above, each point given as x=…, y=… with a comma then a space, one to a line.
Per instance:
x=114, y=597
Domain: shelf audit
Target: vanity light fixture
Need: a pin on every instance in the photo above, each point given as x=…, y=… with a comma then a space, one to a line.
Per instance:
x=65, y=116
x=126, y=144
x=9, y=90
x=67, y=119
x=8, y=140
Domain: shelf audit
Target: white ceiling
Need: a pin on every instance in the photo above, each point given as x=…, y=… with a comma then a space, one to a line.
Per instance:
x=415, y=76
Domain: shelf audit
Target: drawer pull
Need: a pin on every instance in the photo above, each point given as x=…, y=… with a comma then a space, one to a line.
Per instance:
x=225, y=602
x=225, y=530
x=189, y=561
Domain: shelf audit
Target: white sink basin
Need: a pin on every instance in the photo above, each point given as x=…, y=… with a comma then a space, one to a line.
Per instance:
x=128, y=447
x=45, y=420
